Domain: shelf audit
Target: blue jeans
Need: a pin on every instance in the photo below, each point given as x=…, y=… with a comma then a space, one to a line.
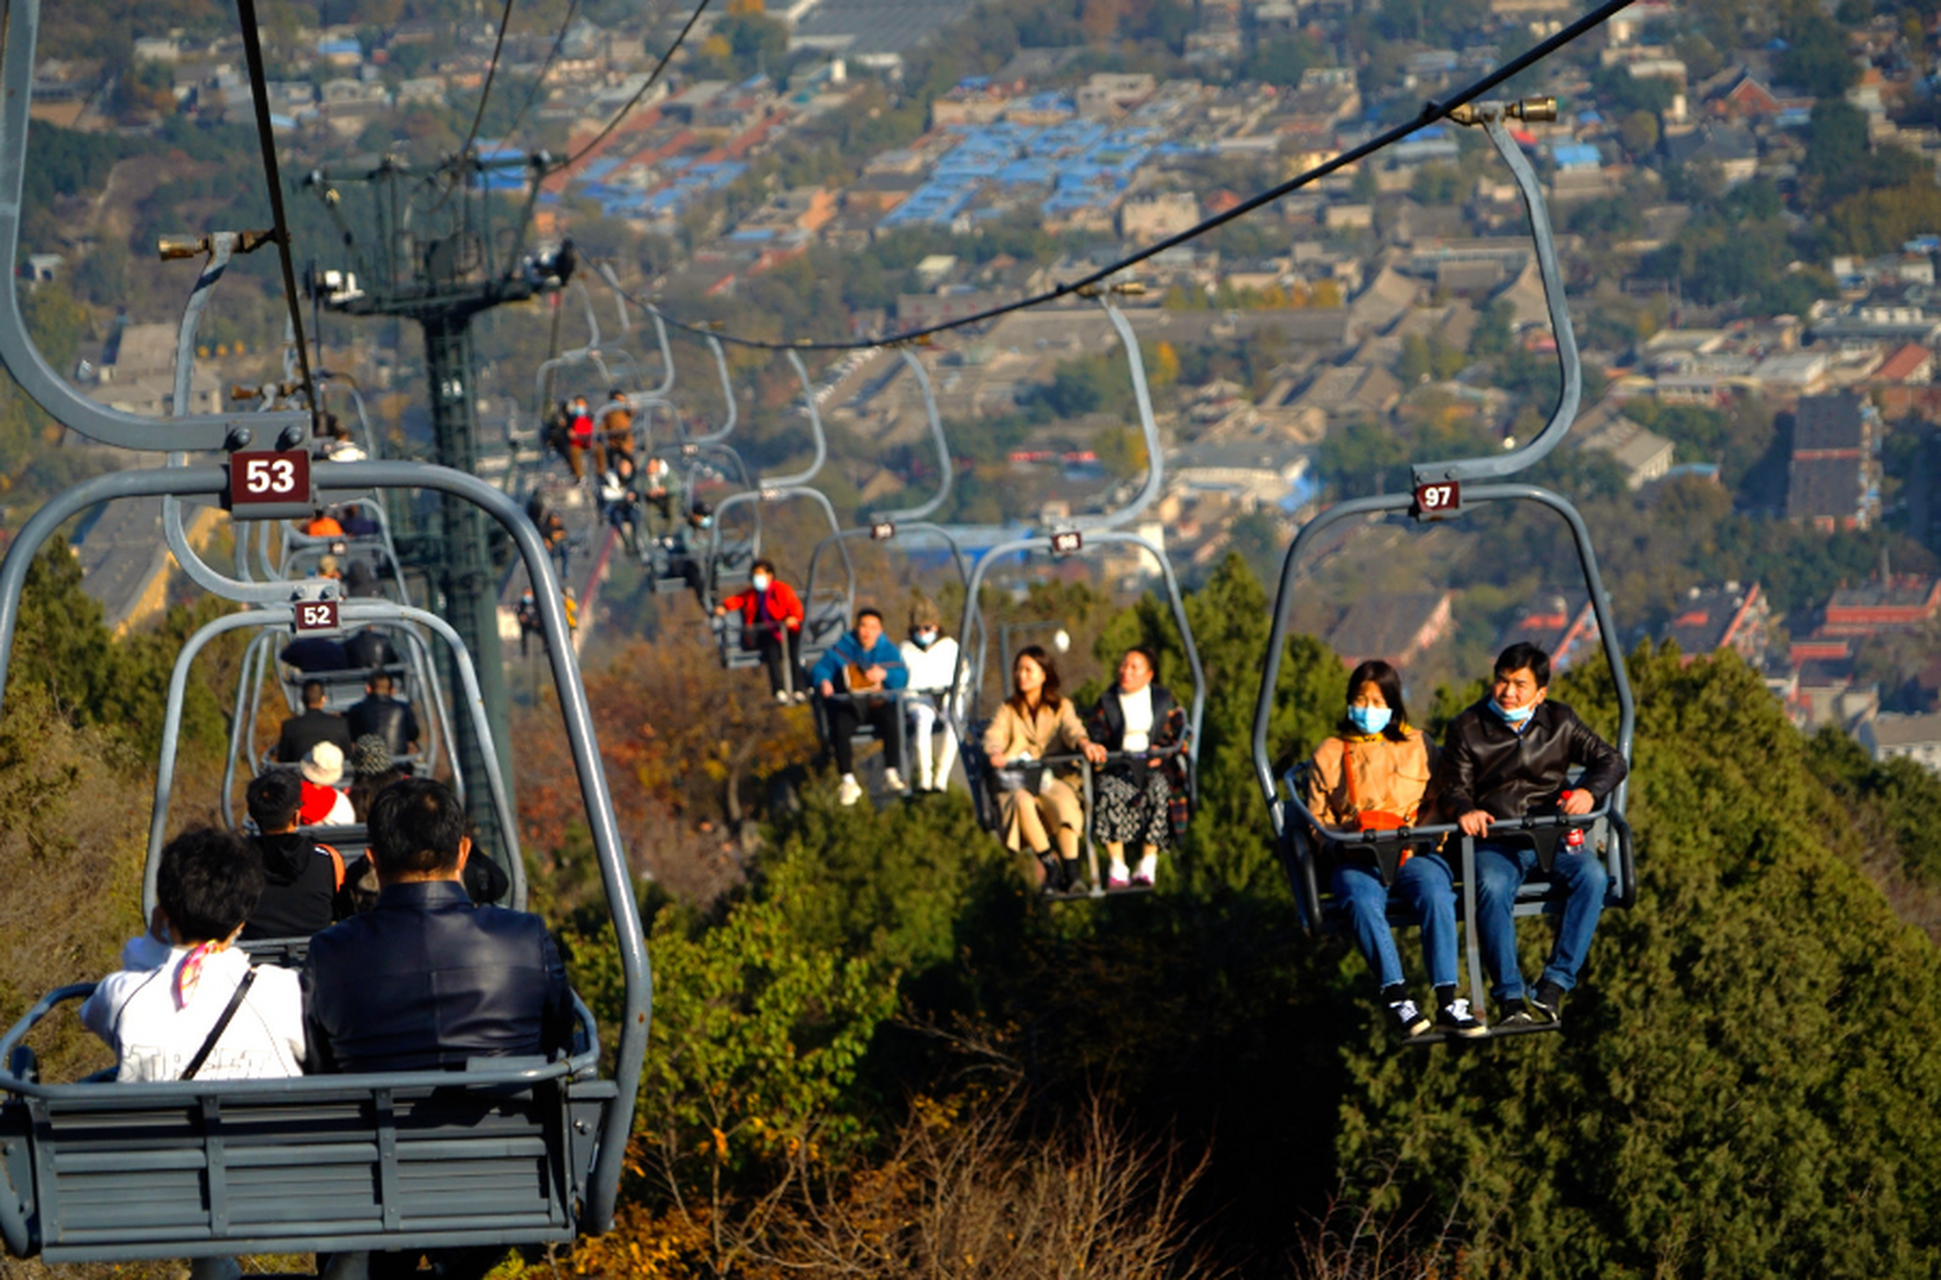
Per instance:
x=1425, y=885
x=1501, y=870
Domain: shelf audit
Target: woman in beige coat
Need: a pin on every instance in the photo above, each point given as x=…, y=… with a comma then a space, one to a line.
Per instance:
x=1033, y=723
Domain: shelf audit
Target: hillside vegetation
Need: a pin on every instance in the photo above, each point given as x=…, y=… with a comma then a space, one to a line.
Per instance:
x=875, y=1054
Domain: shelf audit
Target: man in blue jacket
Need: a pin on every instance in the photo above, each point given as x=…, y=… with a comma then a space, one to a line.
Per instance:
x=857, y=678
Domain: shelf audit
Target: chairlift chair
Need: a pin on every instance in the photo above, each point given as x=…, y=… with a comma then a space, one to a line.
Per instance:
x=1443, y=490
x=511, y=1152
x=1081, y=534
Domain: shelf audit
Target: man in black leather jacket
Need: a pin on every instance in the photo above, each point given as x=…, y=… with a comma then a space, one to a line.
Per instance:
x=1508, y=756
x=379, y=713
x=425, y=980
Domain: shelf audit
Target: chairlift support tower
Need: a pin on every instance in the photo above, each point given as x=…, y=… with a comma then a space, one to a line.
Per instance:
x=442, y=267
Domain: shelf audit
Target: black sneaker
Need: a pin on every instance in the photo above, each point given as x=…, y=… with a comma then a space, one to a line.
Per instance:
x=1529, y=1012
x=1411, y=1019
x=1454, y=1018
x=1549, y=1002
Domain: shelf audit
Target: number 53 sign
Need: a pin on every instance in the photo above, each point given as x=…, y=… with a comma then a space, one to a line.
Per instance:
x=269, y=484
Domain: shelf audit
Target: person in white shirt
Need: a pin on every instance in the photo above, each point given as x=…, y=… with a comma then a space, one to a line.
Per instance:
x=931, y=657
x=186, y=1004
x=158, y=1020
x=1136, y=798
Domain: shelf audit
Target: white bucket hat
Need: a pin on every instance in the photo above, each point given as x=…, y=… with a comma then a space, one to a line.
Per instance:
x=324, y=765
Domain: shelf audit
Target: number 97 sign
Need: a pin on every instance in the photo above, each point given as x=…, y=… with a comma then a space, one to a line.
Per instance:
x=269, y=484
x=1438, y=500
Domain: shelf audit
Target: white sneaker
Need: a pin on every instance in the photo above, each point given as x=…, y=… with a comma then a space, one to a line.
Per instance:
x=894, y=780
x=1116, y=877
x=1148, y=870
x=847, y=791
x=924, y=779
x=782, y=696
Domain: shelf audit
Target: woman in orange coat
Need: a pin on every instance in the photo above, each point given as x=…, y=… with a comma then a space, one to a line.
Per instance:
x=1374, y=774
x=771, y=621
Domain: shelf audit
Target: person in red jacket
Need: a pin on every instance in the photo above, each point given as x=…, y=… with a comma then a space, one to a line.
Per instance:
x=771, y=621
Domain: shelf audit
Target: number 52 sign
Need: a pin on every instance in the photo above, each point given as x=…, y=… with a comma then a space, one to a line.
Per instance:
x=269, y=484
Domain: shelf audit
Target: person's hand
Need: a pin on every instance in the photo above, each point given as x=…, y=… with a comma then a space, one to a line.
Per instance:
x=1579, y=802
x=1475, y=822
x=997, y=759
x=1153, y=762
x=1094, y=752
x=876, y=674
x=828, y=688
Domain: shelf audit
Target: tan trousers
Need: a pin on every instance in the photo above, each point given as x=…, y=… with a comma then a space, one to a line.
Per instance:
x=1027, y=815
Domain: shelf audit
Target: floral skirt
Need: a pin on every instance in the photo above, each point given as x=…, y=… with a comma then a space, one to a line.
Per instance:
x=1134, y=809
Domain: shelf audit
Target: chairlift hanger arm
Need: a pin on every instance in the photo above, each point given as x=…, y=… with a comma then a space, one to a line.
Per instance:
x=923, y=510
x=1398, y=503
x=666, y=387
x=1142, y=396
x=727, y=387
x=815, y=428
x=1492, y=115
x=48, y=389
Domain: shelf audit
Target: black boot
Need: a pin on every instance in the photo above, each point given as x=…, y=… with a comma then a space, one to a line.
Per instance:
x=1054, y=872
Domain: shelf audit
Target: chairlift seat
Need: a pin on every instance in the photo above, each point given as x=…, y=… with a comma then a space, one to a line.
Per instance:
x=100, y=1172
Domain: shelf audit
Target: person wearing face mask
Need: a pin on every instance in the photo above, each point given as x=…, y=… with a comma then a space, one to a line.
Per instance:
x=1509, y=756
x=771, y=621
x=1143, y=800
x=1377, y=774
x=684, y=549
x=581, y=440
x=931, y=657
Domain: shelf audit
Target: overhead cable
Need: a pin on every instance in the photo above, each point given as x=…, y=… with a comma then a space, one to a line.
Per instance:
x=491, y=73
x=1431, y=112
x=538, y=81
x=266, y=137
x=653, y=78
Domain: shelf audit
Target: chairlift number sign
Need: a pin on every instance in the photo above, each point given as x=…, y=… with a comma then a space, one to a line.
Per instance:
x=882, y=531
x=269, y=484
x=1066, y=542
x=1437, y=500
x=316, y=615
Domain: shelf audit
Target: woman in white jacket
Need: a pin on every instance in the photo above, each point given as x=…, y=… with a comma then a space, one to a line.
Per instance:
x=931, y=657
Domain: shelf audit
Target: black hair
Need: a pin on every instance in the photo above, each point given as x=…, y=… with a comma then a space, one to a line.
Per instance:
x=381, y=683
x=1389, y=681
x=760, y=565
x=416, y=825
x=274, y=796
x=366, y=788
x=1152, y=659
x=313, y=693
x=871, y=611
x=1522, y=655
x=208, y=883
x=1047, y=696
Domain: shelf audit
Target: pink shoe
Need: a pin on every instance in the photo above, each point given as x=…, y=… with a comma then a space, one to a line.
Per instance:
x=1116, y=877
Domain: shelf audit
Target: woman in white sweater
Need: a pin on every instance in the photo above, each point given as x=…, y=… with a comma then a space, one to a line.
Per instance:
x=931, y=657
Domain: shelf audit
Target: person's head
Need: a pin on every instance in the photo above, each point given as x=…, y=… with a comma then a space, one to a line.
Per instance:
x=761, y=574
x=1375, y=702
x=579, y=404
x=1034, y=677
x=701, y=516
x=616, y=394
x=324, y=765
x=207, y=885
x=417, y=832
x=926, y=622
x=313, y=694
x=327, y=567
x=380, y=684
x=1137, y=669
x=1520, y=681
x=274, y=796
x=370, y=756
x=869, y=627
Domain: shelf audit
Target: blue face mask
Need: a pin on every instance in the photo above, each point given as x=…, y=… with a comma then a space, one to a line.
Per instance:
x=1369, y=719
x=1517, y=717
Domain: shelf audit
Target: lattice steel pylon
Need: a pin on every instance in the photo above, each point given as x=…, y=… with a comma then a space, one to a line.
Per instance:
x=437, y=257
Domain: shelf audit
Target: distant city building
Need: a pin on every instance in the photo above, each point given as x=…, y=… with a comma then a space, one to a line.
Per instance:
x=1562, y=624
x=1834, y=481
x=1712, y=619
x=1396, y=626
x=1888, y=736
x=1899, y=602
